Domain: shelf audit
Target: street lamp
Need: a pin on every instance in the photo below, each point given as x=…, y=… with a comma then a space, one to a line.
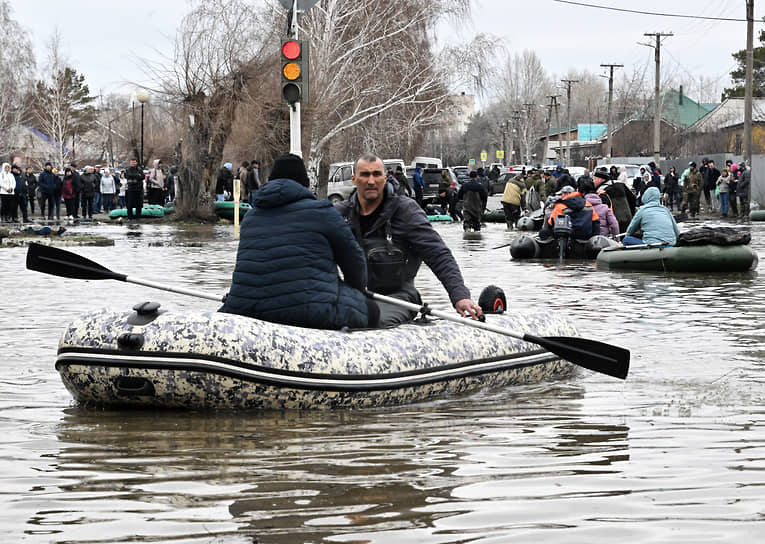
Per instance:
x=142, y=97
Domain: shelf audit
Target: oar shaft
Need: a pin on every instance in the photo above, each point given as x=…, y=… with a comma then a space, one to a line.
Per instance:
x=171, y=288
x=445, y=315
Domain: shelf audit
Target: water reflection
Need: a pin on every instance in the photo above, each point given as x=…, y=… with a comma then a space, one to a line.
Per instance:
x=677, y=449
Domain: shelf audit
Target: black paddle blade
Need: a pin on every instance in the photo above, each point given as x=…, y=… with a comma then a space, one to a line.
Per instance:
x=59, y=262
x=590, y=354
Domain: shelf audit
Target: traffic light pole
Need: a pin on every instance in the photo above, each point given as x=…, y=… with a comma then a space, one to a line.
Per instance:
x=295, y=144
x=295, y=141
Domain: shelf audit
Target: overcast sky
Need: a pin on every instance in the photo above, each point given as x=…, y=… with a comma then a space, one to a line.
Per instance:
x=104, y=39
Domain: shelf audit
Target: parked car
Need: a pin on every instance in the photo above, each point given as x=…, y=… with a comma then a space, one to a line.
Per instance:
x=462, y=173
x=432, y=177
x=498, y=186
x=633, y=170
x=339, y=185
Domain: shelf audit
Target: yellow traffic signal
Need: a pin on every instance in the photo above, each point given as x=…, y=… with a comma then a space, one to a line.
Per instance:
x=294, y=71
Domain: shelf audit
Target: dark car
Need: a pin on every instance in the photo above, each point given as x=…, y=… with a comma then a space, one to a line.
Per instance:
x=432, y=177
x=498, y=186
x=462, y=173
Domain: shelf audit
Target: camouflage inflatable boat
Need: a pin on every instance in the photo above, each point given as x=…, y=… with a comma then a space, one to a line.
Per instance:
x=153, y=358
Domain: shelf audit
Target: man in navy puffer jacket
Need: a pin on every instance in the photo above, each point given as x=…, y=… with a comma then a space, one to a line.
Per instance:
x=290, y=247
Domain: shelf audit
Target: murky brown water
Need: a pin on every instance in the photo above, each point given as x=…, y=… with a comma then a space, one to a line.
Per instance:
x=674, y=454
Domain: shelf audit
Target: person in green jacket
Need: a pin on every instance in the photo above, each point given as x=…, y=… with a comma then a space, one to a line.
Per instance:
x=692, y=188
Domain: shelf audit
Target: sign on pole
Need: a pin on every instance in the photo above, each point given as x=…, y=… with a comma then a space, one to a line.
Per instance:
x=484, y=156
x=471, y=162
x=500, y=154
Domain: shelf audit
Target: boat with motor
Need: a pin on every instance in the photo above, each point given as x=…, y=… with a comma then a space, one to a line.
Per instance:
x=152, y=358
x=532, y=247
x=703, y=249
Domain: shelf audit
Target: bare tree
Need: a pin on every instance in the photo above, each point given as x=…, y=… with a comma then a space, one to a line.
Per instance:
x=524, y=87
x=374, y=75
x=222, y=46
x=17, y=63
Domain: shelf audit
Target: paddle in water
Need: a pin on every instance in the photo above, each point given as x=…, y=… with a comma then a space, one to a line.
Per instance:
x=590, y=354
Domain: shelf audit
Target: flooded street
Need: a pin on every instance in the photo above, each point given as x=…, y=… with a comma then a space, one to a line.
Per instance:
x=674, y=453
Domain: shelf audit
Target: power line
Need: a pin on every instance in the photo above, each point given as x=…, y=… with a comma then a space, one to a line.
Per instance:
x=609, y=8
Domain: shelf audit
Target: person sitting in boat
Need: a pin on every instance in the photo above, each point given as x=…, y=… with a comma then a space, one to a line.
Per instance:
x=585, y=221
x=609, y=226
x=290, y=247
x=655, y=220
x=396, y=237
x=621, y=197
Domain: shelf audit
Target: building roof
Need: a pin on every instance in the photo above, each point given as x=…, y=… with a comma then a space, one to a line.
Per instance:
x=729, y=113
x=678, y=109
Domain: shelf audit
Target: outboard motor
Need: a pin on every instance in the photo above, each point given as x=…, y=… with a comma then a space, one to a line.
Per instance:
x=562, y=232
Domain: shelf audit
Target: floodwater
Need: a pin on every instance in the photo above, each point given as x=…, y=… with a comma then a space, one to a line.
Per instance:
x=676, y=453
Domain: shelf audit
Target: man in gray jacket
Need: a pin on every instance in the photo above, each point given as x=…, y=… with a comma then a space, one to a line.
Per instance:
x=396, y=237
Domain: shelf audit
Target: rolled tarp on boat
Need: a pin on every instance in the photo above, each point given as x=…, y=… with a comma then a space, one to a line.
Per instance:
x=214, y=360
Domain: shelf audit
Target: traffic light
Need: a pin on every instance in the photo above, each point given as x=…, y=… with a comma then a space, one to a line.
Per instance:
x=294, y=71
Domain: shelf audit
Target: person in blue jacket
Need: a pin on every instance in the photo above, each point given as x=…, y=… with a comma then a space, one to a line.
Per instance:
x=286, y=265
x=656, y=222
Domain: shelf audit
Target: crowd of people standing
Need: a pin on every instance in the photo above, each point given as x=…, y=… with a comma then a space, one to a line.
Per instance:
x=83, y=192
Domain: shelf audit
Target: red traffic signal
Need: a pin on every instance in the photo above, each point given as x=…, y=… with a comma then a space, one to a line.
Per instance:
x=294, y=72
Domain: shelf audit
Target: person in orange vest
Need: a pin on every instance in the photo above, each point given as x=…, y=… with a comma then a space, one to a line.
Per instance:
x=585, y=222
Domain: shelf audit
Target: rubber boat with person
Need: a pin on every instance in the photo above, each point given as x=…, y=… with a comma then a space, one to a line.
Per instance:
x=149, y=357
x=532, y=247
x=704, y=249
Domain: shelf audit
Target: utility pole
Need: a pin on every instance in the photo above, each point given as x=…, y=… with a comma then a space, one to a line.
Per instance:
x=504, y=141
x=516, y=123
x=657, y=98
x=748, y=86
x=568, y=83
x=610, y=101
x=554, y=106
x=530, y=127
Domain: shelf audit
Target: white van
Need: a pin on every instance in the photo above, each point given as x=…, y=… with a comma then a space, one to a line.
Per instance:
x=427, y=162
x=340, y=186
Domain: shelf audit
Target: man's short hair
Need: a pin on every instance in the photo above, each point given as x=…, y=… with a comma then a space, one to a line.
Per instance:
x=366, y=157
x=473, y=174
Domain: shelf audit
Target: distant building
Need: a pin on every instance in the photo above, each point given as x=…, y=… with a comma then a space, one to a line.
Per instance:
x=678, y=114
x=584, y=140
x=722, y=129
x=457, y=113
